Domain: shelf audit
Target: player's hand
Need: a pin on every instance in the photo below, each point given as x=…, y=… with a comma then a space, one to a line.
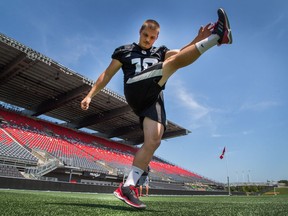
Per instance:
x=85, y=103
x=205, y=31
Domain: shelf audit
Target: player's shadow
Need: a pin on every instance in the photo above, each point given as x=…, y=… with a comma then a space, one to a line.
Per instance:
x=111, y=207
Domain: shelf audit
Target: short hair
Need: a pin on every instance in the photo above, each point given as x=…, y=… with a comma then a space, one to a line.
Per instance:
x=150, y=23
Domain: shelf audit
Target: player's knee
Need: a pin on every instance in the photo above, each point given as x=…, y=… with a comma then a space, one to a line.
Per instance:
x=174, y=63
x=155, y=143
x=151, y=145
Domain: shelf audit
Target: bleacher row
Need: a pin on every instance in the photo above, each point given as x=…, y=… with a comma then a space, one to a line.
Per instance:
x=9, y=171
x=11, y=149
x=19, y=135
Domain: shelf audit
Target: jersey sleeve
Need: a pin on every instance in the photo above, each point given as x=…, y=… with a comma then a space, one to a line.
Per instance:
x=163, y=50
x=117, y=54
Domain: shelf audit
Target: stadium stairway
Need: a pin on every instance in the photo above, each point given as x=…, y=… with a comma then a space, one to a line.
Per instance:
x=49, y=166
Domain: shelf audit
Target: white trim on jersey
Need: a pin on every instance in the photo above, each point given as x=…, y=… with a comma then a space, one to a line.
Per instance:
x=144, y=76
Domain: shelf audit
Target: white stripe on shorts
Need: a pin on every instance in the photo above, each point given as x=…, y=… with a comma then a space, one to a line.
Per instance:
x=144, y=76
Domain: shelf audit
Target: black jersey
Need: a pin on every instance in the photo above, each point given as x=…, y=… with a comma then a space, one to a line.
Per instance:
x=135, y=59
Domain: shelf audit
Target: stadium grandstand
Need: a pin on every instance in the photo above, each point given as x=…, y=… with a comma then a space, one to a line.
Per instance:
x=45, y=136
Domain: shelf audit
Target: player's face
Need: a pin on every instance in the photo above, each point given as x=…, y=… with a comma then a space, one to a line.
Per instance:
x=147, y=38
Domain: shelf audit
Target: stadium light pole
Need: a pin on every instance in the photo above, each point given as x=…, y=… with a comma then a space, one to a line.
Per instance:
x=249, y=180
x=228, y=182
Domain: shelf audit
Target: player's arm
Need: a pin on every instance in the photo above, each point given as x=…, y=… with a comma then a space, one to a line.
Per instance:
x=203, y=33
x=101, y=82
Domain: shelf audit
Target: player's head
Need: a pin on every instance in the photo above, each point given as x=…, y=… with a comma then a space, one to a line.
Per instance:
x=149, y=32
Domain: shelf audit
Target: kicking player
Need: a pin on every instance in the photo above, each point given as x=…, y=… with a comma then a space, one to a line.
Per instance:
x=146, y=70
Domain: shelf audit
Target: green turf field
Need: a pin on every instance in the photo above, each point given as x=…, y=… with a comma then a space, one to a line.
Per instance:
x=18, y=202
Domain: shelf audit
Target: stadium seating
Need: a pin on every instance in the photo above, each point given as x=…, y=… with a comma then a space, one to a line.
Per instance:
x=78, y=149
x=9, y=171
x=10, y=149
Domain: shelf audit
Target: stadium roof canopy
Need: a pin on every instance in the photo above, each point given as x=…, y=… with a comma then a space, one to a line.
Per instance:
x=41, y=86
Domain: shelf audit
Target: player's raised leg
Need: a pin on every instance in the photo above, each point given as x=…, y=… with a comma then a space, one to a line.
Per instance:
x=221, y=34
x=222, y=28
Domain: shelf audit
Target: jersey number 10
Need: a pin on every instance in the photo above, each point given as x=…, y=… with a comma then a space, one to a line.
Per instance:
x=147, y=62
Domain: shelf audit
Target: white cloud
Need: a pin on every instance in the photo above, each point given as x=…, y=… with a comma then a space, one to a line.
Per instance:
x=183, y=96
x=218, y=135
x=277, y=23
x=258, y=106
x=234, y=134
x=194, y=112
x=77, y=47
x=247, y=132
x=187, y=99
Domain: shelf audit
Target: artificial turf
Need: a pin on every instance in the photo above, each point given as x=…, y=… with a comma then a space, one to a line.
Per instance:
x=23, y=202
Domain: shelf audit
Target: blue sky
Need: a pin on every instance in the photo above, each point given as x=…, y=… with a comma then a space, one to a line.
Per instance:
x=233, y=96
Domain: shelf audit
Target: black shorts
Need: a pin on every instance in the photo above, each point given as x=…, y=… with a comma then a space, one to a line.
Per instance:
x=145, y=96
